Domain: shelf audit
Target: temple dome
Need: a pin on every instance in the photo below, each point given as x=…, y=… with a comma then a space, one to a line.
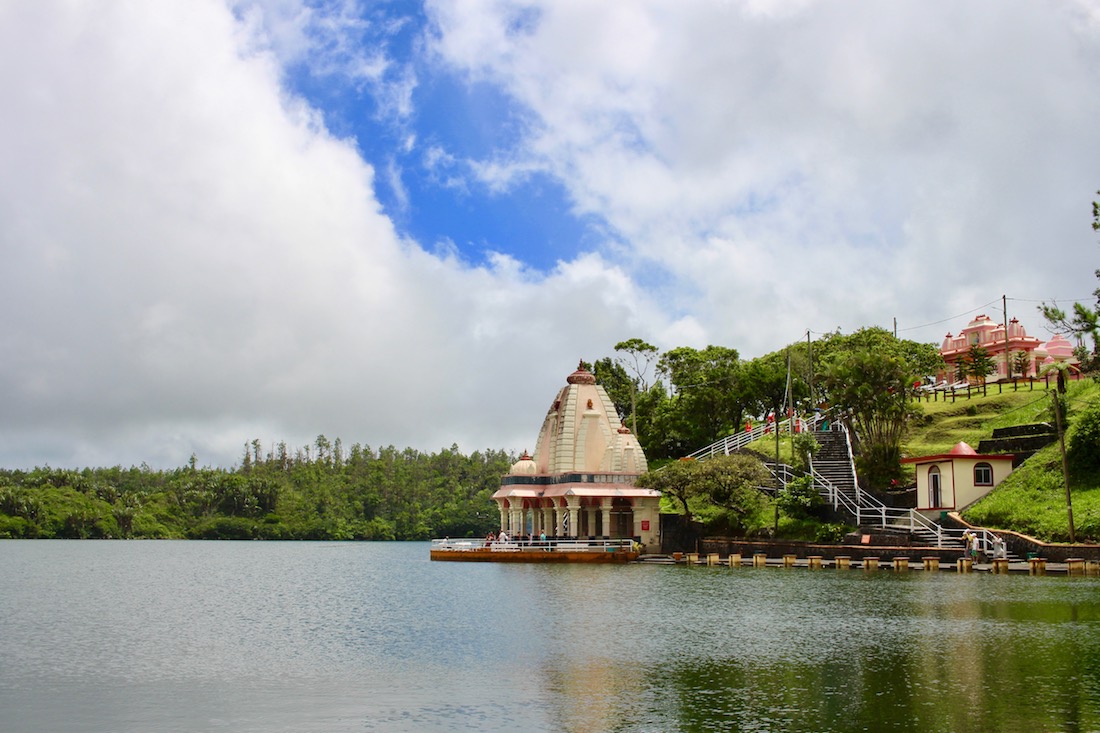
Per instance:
x=582, y=432
x=1058, y=348
x=525, y=466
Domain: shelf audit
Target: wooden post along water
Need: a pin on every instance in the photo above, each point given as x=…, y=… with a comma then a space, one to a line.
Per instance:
x=1092, y=567
x=759, y=560
x=964, y=565
x=901, y=564
x=870, y=563
x=814, y=561
x=931, y=563
x=788, y=560
x=1075, y=565
x=1000, y=566
x=1036, y=566
x=712, y=558
x=735, y=559
x=843, y=562
x=692, y=558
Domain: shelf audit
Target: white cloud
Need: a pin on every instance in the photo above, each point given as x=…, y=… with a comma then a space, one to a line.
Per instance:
x=190, y=260
x=828, y=165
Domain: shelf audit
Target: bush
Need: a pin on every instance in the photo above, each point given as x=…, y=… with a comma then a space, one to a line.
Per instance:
x=799, y=498
x=224, y=528
x=13, y=528
x=831, y=532
x=1083, y=451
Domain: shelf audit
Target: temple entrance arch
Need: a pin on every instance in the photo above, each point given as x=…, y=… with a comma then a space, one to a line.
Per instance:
x=622, y=518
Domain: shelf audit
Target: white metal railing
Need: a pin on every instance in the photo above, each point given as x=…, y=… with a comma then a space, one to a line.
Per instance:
x=550, y=544
x=731, y=443
x=863, y=506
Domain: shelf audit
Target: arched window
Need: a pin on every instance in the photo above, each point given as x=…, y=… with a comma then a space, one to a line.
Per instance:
x=983, y=474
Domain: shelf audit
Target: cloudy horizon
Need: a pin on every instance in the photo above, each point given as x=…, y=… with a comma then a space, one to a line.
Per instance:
x=402, y=222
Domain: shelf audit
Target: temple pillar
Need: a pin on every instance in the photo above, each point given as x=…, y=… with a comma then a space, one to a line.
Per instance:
x=605, y=511
x=503, y=517
x=574, y=519
x=548, y=521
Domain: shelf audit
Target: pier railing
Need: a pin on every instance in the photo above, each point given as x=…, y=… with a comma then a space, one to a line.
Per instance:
x=550, y=544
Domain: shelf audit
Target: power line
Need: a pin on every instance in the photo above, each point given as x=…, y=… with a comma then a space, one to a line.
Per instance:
x=951, y=318
x=1049, y=300
x=978, y=308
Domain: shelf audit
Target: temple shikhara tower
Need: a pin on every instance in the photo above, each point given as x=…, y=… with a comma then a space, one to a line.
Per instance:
x=580, y=480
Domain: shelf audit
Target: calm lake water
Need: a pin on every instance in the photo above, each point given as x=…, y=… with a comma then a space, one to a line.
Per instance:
x=263, y=636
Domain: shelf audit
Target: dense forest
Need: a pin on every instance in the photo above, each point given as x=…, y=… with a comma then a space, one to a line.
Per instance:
x=321, y=493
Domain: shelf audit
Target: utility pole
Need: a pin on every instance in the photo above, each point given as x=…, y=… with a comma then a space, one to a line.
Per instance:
x=1008, y=364
x=810, y=359
x=1062, y=443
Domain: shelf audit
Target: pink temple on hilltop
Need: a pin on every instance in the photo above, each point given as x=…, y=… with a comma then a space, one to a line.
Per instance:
x=580, y=480
x=982, y=331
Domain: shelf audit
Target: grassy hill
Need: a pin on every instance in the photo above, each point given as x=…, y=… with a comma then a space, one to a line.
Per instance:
x=1033, y=499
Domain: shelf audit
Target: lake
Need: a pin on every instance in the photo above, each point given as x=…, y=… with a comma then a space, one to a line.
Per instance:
x=160, y=636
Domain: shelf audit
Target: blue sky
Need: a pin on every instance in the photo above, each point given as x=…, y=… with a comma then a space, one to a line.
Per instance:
x=405, y=222
x=423, y=155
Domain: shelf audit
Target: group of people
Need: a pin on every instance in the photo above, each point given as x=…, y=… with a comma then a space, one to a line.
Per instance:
x=973, y=546
x=503, y=537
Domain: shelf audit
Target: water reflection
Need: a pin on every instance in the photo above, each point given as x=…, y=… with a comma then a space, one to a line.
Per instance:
x=313, y=636
x=700, y=650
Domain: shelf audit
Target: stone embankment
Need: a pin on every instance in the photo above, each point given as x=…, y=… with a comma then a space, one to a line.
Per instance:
x=885, y=561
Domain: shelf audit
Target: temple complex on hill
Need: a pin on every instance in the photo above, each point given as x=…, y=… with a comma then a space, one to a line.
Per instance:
x=982, y=331
x=580, y=480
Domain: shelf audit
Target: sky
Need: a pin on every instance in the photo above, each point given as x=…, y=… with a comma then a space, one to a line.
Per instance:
x=404, y=223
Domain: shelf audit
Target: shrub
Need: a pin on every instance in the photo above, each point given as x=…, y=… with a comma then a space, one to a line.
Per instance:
x=1083, y=451
x=799, y=498
x=831, y=532
x=224, y=528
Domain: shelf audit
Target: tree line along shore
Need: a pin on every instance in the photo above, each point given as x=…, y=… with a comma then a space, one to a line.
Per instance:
x=676, y=401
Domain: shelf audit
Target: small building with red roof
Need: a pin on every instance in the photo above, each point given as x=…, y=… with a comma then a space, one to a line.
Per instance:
x=954, y=480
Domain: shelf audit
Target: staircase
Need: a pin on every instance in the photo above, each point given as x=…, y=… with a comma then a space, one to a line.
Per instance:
x=833, y=461
x=1021, y=440
x=834, y=474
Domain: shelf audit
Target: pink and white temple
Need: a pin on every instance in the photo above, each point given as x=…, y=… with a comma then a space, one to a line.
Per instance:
x=982, y=331
x=580, y=480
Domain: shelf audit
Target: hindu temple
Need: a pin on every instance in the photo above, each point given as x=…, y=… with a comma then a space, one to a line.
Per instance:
x=579, y=482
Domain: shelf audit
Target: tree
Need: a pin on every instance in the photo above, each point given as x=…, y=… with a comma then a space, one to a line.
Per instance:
x=677, y=481
x=871, y=380
x=709, y=401
x=727, y=483
x=978, y=363
x=1084, y=321
x=766, y=383
x=638, y=357
x=616, y=382
x=733, y=482
x=1021, y=363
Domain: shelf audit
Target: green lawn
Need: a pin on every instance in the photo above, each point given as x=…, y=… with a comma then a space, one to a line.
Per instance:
x=1032, y=499
x=944, y=424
